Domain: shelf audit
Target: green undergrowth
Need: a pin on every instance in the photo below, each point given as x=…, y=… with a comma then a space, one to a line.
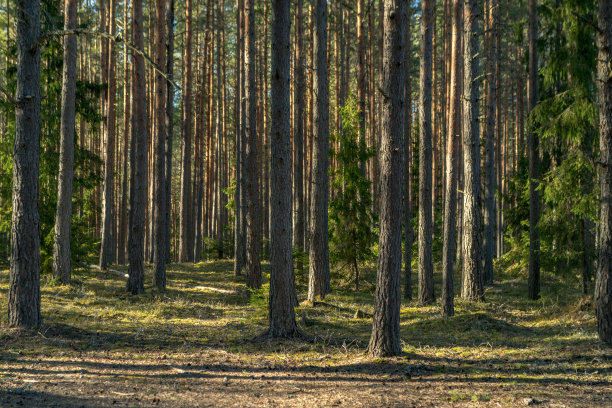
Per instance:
x=506, y=338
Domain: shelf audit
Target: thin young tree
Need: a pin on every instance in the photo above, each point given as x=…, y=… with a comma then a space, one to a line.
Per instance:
x=472, y=288
x=426, y=284
x=63, y=215
x=24, y=280
x=452, y=148
x=169, y=124
x=534, y=156
x=159, y=150
x=298, y=143
x=603, y=282
x=385, y=338
x=318, y=277
x=138, y=162
x=253, y=224
x=186, y=222
x=281, y=303
x=407, y=182
x=107, y=246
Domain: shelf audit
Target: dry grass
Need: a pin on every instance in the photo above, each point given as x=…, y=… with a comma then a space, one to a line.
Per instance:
x=192, y=347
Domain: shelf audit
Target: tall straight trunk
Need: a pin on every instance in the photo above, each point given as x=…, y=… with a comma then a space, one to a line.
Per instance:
x=385, y=338
x=253, y=215
x=239, y=225
x=123, y=224
x=186, y=220
x=107, y=245
x=534, y=156
x=169, y=125
x=452, y=141
x=407, y=181
x=603, y=281
x=159, y=150
x=361, y=73
x=138, y=162
x=490, y=215
x=63, y=215
x=318, y=277
x=472, y=202
x=282, y=292
x=426, y=283
x=220, y=133
x=298, y=140
x=24, y=281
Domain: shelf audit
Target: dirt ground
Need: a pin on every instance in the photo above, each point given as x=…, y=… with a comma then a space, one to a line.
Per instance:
x=194, y=348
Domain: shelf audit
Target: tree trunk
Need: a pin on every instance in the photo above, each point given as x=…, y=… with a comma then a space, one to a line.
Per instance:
x=385, y=338
x=298, y=164
x=239, y=226
x=407, y=182
x=138, y=162
x=361, y=78
x=603, y=281
x=186, y=220
x=534, y=157
x=490, y=215
x=472, y=201
x=169, y=125
x=63, y=215
x=253, y=224
x=24, y=285
x=454, y=131
x=426, y=284
x=107, y=245
x=123, y=224
x=281, y=303
x=159, y=150
x=318, y=279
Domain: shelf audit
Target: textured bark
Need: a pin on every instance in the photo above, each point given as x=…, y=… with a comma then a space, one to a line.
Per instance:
x=24, y=281
x=490, y=215
x=385, y=338
x=253, y=213
x=138, y=162
x=298, y=140
x=220, y=130
x=122, y=219
x=472, y=202
x=426, y=284
x=361, y=74
x=169, y=124
x=63, y=215
x=603, y=281
x=452, y=148
x=107, y=246
x=407, y=182
x=281, y=312
x=318, y=277
x=159, y=151
x=534, y=157
x=186, y=221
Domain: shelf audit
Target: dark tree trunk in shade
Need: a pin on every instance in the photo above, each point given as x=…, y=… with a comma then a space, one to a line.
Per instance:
x=123, y=217
x=186, y=221
x=603, y=281
x=159, y=150
x=239, y=238
x=318, y=277
x=534, y=156
x=253, y=224
x=472, y=202
x=169, y=125
x=426, y=283
x=107, y=245
x=490, y=215
x=282, y=293
x=24, y=281
x=63, y=215
x=407, y=182
x=452, y=148
x=298, y=164
x=138, y=165
x=385, y=338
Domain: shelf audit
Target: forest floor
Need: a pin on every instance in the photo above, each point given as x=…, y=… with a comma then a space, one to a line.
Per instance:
x=192, y=346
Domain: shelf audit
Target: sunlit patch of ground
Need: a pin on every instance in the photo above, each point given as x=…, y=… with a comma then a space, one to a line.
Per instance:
x=192, y=346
